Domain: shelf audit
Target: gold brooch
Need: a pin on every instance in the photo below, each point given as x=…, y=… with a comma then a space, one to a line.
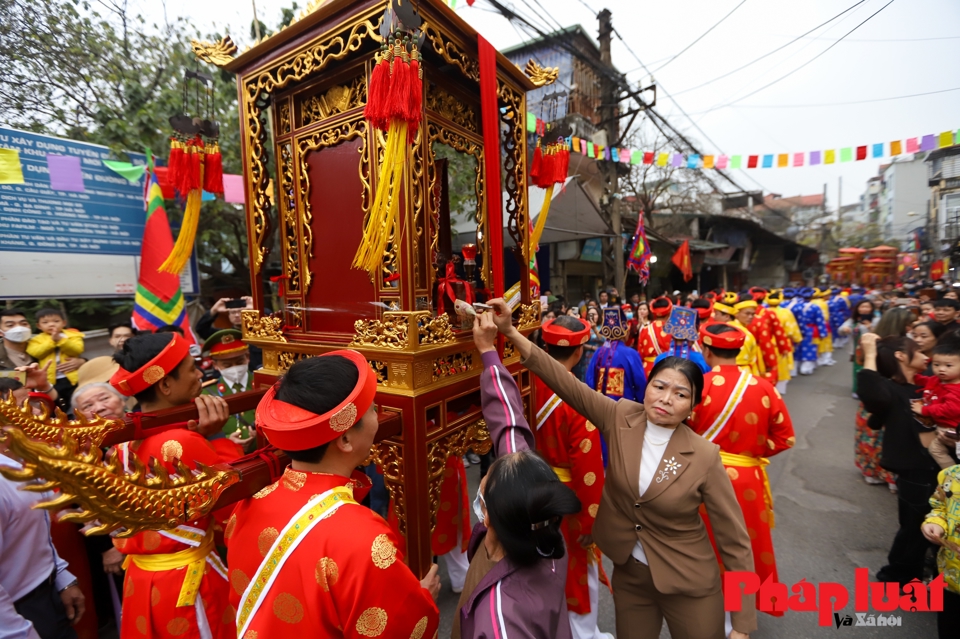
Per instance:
x=344, y=418
x=563, y=342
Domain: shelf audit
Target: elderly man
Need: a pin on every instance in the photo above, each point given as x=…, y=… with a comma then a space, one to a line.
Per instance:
x=98, y=398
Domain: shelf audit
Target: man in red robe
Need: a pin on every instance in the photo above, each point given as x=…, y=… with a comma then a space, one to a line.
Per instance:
x=745, y=416
x=653, y=340
x=306, y=560
x=571, y=445
x=175, y=585
x=748, y=315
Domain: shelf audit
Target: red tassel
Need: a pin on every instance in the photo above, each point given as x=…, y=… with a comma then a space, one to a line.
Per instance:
x=175, y=163
x=415, y=104
x=374, y=112
x=190, y=176
x=537, y=165
x=399, y=102
x=564, y=165
x=213, y=170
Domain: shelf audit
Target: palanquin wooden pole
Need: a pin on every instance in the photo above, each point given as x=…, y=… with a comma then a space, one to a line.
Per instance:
x=301, y=98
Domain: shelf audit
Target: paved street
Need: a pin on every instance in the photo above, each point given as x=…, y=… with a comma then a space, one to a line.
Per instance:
x=829, y=521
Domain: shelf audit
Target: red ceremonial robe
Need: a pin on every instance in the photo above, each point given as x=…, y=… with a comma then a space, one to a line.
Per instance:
x=153, y=590
x=746, y=416
x=767, y=343
x=571, y=445
x=345, y=577
x=653, y=341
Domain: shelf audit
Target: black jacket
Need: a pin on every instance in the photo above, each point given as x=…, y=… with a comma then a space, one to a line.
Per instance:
x=888, y=403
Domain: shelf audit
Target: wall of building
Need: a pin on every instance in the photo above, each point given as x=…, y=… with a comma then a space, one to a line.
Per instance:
x=905, y=190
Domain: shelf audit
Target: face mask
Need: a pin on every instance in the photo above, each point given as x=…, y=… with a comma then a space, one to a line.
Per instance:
x=18, y=334
x=235, y=374
x=477, y=508
x=629, y=316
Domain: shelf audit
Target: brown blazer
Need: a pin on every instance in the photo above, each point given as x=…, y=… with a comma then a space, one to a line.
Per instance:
x=666, y=518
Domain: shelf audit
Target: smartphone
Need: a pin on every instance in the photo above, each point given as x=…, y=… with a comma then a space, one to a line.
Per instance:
x=237, y=303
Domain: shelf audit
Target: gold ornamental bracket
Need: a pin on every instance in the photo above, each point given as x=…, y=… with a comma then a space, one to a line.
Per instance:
x=255, y=327
x=404, y=331
x=110, y=498
x=218, y=54
x=541, y=76
x=50, y=427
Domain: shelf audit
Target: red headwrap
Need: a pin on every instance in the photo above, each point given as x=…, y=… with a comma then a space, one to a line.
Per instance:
x=560, y=336
x=153, y=371
x=290, y=427
x=730, y=339
x=657, y=309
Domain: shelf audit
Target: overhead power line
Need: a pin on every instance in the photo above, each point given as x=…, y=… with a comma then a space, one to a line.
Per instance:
x=827, y=104
x=770, y=53
x=702, y=36
x=808, y=62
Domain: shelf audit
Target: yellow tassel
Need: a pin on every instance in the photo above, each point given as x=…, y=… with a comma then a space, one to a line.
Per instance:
x=180, y=254
x=382, y=220
x=541, y=221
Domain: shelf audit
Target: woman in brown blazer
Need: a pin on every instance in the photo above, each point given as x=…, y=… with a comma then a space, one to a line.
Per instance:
x=648, y=520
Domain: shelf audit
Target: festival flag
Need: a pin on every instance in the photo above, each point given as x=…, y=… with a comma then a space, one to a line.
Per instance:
x=722, y=162
x=708, y=161
x=814, y=158
x=896, y=147
x=946, y=139
x=158, y=301
x=682, y=261
x=735, y=161
x=878, y=150
x=861, y=153
x=752, y=161
x=768, y=161
x=639, y=259
x=912, y=145
x=798, y=159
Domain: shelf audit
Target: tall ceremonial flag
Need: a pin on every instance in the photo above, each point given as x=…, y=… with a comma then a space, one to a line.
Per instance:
x=159, y=300
x=682, y=260
x=639, y=259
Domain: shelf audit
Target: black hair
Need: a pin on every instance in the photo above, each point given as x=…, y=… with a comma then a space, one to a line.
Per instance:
x=47, y=312
x=947, y=302
x=700, y=303
x=887, y=363
x=8, y=385
x=935, y=328
x=855, y=311
x=170, y=328
x=317, y=384
x=660, y=302
x=722, y=353
x=137, y=351
x=947, y=344
x=563, y=353
x=745, y=297
x=114, y=327
x=526, y=503
x=686, y=368
x=12, y=312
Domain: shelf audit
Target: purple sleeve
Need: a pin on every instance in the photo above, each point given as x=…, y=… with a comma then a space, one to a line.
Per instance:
x=503, y=408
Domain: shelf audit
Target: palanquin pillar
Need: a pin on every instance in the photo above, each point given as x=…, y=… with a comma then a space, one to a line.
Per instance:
x=310, y=170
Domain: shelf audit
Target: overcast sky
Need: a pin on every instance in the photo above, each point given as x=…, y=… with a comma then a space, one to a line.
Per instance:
x=909, y=47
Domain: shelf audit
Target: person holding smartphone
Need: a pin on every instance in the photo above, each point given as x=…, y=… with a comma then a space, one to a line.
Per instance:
x=225, y=313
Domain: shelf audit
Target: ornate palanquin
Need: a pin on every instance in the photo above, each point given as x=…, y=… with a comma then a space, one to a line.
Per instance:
x=310, y=169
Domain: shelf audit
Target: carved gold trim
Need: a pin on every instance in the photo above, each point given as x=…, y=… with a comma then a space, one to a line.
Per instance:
x=256, y=90
x=541, y=76
x=515, y=165
x=50, y=427
x=451, y=53
x=267, y=328
x=394, y=332
x=284, y=125
x=216, y=53
x=453, y=365
x=107, y=495
x=335, y=100
x=290, y=221
x=340, y=132
x=389, y=458
x=446, y=104
x=455, y=444
x=529, y=315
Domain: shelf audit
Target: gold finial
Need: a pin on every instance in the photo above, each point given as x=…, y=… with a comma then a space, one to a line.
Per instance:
x=541, y=76
x=218, y=53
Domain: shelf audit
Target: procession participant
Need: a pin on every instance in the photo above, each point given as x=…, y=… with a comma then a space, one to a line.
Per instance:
x=305, y=558
x=615, y=370
x=766, y=347
x=571, y=445
x=825, y=340
x=780, y=342
x=838, y=305
x=175, y=584
x=653, y=341
x=651, y=528
x=812, y=327
x=231, y=358
x=791, y=336
x=684, y=339
x=726, y=313
x=517, y=579
x=748, y=419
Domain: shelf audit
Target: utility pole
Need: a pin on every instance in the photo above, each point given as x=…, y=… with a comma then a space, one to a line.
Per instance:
x=610, y=202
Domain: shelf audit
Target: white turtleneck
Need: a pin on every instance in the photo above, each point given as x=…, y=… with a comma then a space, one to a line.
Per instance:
x=655, y=441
